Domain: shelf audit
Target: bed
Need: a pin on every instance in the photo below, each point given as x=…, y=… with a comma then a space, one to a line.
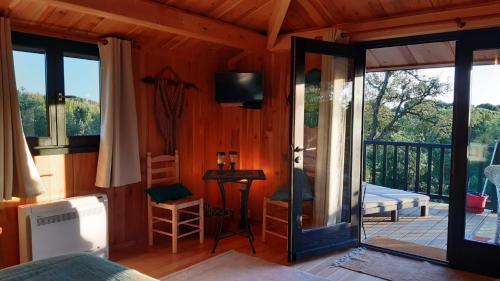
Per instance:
x=380, y=199
x=70, y=267
x=375, y=204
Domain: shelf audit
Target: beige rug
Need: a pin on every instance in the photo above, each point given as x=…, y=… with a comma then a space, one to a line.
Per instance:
x=396, y=268
x=234, y=266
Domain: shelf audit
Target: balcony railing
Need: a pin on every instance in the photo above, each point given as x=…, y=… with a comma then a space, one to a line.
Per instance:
x=421, y=167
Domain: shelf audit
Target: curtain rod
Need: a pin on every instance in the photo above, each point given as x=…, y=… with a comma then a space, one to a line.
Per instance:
x=104, y=41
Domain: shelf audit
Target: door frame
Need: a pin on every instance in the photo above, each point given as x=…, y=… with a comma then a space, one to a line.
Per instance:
x=352, y=234
x=465, y=40
x=462, y=253
x=459, y=250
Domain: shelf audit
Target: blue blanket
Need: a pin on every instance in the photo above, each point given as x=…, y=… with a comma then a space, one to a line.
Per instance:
x=72, y=267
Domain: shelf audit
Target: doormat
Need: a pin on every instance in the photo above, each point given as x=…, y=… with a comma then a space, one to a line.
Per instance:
x=396, y=268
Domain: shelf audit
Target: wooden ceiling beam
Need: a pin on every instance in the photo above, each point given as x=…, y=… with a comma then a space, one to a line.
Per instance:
x=6, y=5
x=167, y=19
x=276, y=20
x=283, y=41
x=445, y=20
x=224, y=8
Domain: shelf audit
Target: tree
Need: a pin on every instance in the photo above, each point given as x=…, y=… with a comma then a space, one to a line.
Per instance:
x=82, y=116
x=33, y=113
x=393, y=95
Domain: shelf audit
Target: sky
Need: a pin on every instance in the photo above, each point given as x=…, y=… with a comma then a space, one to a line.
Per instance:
x=81, y=76
x=485, y=82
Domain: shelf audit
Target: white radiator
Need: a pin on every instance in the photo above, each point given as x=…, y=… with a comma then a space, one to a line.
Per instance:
x=77, y=224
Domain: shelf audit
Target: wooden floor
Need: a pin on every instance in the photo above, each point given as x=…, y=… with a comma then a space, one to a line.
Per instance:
x=428, y=231
x=158, y=261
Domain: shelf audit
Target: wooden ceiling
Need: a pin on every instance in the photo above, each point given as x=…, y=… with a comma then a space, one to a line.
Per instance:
x=305, y=14
x=438, y=54
x=229, y=26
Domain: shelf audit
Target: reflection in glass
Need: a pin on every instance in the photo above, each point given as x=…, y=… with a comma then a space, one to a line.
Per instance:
x=484, y=134
x=326, y=186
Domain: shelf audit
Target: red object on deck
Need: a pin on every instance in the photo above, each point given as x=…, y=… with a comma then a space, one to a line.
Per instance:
x=476, y=203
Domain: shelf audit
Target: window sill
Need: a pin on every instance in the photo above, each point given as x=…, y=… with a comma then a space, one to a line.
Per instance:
x=54, y=150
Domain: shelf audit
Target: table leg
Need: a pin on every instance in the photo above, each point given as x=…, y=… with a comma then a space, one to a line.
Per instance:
x=244, y=213
x=221, y=217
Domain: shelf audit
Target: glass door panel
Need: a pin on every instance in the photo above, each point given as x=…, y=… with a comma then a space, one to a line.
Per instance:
x=474, y=222
x=327, y=101
x=482, y=224
x=325, y=174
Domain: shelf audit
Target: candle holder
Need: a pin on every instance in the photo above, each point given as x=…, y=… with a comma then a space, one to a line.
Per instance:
x=221, y=160
x=233, y=156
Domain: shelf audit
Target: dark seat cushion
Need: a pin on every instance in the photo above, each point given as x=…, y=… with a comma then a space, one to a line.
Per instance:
x=283, y=193
x=160, y=194
x=301, y=179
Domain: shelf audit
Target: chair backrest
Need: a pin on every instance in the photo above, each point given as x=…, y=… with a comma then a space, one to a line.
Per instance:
x=162, y=169
x=493, y=174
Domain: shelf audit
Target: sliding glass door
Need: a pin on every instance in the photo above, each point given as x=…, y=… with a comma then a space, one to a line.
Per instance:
x=474, y=222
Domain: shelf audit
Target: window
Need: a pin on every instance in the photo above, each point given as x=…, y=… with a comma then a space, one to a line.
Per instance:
x=32, y=92
x=58, y=87
x=81, y=87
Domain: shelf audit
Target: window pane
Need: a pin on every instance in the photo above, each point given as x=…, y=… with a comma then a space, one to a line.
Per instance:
x=29, y=69
x=483, y=189
x=81, y=86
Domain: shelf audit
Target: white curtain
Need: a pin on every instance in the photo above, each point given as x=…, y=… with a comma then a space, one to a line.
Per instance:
x=118, y=163
x=19, y=176
x=335, y=96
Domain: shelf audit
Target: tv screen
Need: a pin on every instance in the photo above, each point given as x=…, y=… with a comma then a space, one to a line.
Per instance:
x=238, y=87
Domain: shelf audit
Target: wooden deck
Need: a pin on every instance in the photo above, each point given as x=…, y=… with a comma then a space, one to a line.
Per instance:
x=428, y=231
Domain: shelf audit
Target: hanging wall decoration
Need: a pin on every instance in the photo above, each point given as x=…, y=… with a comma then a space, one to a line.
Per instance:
x=169, y=102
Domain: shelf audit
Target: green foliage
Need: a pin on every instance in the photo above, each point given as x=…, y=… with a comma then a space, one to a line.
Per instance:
x=396, y=99
x=485, y=125
x=404, y=106
x=83, y=116
x=33, y=113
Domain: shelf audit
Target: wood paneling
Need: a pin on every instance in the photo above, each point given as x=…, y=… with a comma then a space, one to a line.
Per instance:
x=260, y=137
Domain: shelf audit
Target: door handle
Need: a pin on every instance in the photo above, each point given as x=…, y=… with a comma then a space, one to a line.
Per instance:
x=299, y=220
x=298, y=149
x=297, y=159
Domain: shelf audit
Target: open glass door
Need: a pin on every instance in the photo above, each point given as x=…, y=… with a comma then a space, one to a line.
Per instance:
x=474, y=221
x=327, y=91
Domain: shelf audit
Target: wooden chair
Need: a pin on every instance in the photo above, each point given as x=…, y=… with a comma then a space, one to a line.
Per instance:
x=267, y=216
x=164, y=169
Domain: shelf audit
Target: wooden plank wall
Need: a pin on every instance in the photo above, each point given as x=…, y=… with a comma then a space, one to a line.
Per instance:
x=260, y=137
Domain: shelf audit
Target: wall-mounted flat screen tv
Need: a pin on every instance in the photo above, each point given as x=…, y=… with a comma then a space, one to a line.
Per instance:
x=241, y=88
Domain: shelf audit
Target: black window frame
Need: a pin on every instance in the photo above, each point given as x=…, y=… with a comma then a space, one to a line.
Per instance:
x=57, y=142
